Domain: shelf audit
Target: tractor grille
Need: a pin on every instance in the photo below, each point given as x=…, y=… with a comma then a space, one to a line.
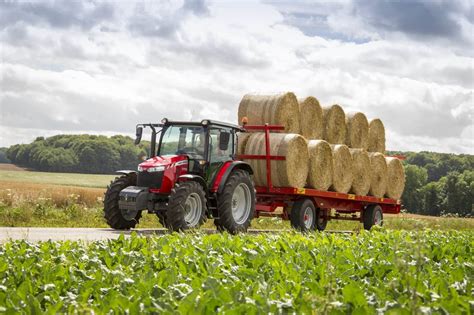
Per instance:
x=150, y=180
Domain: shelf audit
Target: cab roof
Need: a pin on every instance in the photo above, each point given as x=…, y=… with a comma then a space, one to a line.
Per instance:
x=204, y=122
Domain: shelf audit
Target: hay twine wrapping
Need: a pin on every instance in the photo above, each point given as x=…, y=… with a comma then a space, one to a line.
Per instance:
x=242, y=139
x=320, y=165
x=376, y=136
x=378, y=180
x=291, y=172
x=334, y=120
x=311, y=118
x=360, y=171
x=342, y=168
x=281, y=109
x=357, y=135
x=396, y=178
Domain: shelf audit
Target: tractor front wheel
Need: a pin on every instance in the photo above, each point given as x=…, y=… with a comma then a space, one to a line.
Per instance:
x=186, y=207
x=236, y=203
x=112, y=213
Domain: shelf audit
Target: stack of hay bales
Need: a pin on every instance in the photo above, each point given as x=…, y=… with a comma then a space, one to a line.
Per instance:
x=325, y=148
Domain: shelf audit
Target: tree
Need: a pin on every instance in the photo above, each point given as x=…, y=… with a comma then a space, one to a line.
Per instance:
x=413, y=196
x=3, y=156
x=432, y=198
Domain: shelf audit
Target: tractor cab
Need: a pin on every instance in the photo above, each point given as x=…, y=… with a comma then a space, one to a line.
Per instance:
x=202, y=146
x=198, y=155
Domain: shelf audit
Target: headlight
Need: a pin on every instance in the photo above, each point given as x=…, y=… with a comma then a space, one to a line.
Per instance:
x=140, y=169
x=205, y=122
x=156, y=169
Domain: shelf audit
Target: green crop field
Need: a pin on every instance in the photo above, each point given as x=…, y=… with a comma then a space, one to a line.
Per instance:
x=393, y=272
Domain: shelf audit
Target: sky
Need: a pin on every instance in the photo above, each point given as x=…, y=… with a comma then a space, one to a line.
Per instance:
x=102, y=67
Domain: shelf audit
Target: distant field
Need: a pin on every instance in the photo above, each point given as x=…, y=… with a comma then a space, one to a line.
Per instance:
x=11, y=173
x=30, y=198
x=11, y=167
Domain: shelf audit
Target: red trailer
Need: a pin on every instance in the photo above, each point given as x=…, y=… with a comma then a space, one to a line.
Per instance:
x=310, y=208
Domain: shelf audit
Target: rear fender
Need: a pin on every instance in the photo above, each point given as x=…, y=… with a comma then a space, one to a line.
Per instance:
x=224, y=173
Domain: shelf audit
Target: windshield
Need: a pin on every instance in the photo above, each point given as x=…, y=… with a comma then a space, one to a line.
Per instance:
x=188, y=140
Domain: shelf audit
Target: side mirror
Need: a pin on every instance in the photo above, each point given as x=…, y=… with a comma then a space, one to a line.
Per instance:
x=224, y=140
x=138, y=134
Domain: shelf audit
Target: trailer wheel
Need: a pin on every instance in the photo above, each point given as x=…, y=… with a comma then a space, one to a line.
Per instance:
x=303, y=215
x=112, y=213
x=321, y=221
x=186, y=207
x=373, y=215
x=236, y=203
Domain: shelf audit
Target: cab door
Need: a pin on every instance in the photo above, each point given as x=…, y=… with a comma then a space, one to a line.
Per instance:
x=219, y=154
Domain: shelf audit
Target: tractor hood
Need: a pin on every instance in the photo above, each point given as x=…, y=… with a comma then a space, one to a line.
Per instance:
x=162, y=163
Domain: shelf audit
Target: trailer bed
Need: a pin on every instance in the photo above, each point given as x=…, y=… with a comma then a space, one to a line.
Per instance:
x=333, y=205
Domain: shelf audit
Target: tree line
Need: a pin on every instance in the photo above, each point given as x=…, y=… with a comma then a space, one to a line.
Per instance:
x=436, y=183
x=78, y=154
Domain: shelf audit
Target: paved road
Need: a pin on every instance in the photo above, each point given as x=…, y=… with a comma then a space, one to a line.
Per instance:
x=87, y=234
x=90, y=234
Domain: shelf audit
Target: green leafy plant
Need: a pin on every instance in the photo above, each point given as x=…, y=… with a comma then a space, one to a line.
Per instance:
x=366, y=273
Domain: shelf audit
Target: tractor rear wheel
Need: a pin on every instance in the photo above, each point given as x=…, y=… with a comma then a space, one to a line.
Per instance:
x=303, y=215
x=236, y=203
x=162, y=219
x=112, y=213
x=186, y=207
x=372, y=216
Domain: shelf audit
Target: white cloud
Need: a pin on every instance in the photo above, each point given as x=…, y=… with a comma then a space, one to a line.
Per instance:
x=110, y=76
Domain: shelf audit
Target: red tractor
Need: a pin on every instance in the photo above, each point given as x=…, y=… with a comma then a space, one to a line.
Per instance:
x=191, y=175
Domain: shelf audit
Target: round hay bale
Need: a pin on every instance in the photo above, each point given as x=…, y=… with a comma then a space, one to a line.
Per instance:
x=396, y=178
x=360, y=171
x=342, y=168
x=378, y=171
x=334, y=124
x=311, y=118
x=291, y=172
x=242, y=139
x=320, y=165
x=357, y=135
x=281, y=109
x=376, y=136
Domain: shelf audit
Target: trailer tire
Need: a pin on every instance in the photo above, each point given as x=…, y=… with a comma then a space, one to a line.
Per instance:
x=303, y=215
x=186, y=207
x=112, y=213
x=373, y=215
x=321, y=221
x=236, y=203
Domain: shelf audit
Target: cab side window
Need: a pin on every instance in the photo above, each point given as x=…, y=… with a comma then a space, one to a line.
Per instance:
x=217, y=154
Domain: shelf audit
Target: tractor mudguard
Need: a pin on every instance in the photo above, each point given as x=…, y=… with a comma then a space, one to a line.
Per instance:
x=193, y=177
x=224, y=173
x=125, y=172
